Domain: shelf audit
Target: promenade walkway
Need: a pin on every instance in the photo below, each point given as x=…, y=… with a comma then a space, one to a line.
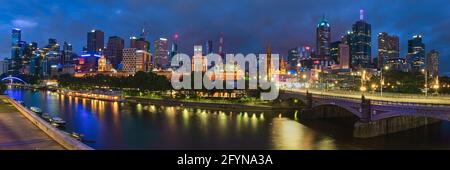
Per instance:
x=18, y=133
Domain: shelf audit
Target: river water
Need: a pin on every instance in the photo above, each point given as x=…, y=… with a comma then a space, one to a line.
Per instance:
x=114, y=125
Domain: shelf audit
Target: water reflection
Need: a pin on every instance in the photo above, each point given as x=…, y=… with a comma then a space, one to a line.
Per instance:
x=114, y=125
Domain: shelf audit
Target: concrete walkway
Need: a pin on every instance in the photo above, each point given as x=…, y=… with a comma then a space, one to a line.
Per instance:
x=18, y=133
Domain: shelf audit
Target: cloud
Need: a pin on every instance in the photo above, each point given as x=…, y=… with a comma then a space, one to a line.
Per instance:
x=23, y=23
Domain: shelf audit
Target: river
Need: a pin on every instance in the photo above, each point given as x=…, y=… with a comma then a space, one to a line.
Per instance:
x=114, y=125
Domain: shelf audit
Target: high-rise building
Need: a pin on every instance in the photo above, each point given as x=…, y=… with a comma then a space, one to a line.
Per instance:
x=221, y=44
x=136, y=60
x=95, y=41
x=4, y=66
x=344, y=56
x=433, y=63
x=208, y=47
x=139, y=43
x=293, y=58
x=129, y=60
x=143, y=61
x=360, y=40
x=15, y=51
x=334, y=51
x=114, y=50
x=173, y=47
x=161, y=57
x=323, y=36
x=67, y=54
x=198, y=60
x=388, y=48
x=416, y=53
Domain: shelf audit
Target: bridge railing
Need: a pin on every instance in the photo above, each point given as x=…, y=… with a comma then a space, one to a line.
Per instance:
x=373, y=102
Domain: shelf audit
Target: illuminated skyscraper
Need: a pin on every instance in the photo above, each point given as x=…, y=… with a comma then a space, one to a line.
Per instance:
x=323, y=36
x=416, y=53
x=433, y=63
x=360, y=40
x=334, y=51
x=161, y=57
x=114, y=50
x=388, y=48
x=209, y=47
x=95, y=41
x=174, y=47
x=15, y=51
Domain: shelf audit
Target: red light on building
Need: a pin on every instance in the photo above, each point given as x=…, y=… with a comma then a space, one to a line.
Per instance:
x=316, y=62
x=81, y=61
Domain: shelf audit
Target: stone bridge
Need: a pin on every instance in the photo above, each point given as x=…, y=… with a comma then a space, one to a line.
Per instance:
x=376, y=117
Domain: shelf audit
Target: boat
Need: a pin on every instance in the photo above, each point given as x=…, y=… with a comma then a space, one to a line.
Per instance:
x=46, y=116
x=36, y=109
x=77, y=136
x=58, y=121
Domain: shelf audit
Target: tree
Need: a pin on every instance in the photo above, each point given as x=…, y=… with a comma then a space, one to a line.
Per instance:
x=3, y=88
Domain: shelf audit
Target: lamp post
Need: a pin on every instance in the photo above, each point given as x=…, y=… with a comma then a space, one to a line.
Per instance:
x=382, y=79
x=426, y=81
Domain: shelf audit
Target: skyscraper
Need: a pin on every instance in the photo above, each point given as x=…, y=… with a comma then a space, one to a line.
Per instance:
x=388, y=48
x=67, y=53
x=15, y=50
x=334, y=51
x=174, y=47
x=360, y=43
x=161, y=53
x=129, y=60
x=139, y=44
x=433, y=63
x=209, y=47
x=114, y=50
x=221, y=44
x=293, y=58
x=198, y=60
x=416, y=53
x=95, y=41
x=323, y=36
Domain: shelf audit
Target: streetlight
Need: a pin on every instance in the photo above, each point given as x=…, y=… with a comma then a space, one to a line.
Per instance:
x=382, y=79
x=426, y=81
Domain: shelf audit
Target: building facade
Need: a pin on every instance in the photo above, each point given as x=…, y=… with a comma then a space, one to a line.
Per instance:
x=416, y=53
x=360, y=40
x=388, y=48
x=114, y=50
x=433, y=63
x=323, y=37
x=95, y=41
x=161, y=56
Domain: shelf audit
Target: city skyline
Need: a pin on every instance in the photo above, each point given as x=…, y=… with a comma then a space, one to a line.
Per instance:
x=297, y=20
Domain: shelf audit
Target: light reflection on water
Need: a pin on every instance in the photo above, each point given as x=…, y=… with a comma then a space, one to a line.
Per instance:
x=114, y=125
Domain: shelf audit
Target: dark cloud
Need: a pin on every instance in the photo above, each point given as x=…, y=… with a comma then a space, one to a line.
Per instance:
x=248, y=25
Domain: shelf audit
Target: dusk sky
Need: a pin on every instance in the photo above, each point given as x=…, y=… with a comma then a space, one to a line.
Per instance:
x=247, y=25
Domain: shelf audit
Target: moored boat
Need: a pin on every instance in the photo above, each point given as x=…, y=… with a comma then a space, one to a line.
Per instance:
x=36, y=110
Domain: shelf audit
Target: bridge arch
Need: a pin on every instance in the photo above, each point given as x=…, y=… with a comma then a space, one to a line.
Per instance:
x=12, y=78
x=330, y=110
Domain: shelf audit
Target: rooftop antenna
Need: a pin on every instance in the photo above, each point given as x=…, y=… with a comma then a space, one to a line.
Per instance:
x=361, y=14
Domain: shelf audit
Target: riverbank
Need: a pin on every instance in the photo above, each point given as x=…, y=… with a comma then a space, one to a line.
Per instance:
x=58, y=136
x=207, y=105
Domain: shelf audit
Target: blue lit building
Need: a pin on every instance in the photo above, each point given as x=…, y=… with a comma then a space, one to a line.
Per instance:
x=416, y=53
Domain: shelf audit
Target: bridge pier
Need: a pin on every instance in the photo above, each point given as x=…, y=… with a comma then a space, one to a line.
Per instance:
x=389, y=125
